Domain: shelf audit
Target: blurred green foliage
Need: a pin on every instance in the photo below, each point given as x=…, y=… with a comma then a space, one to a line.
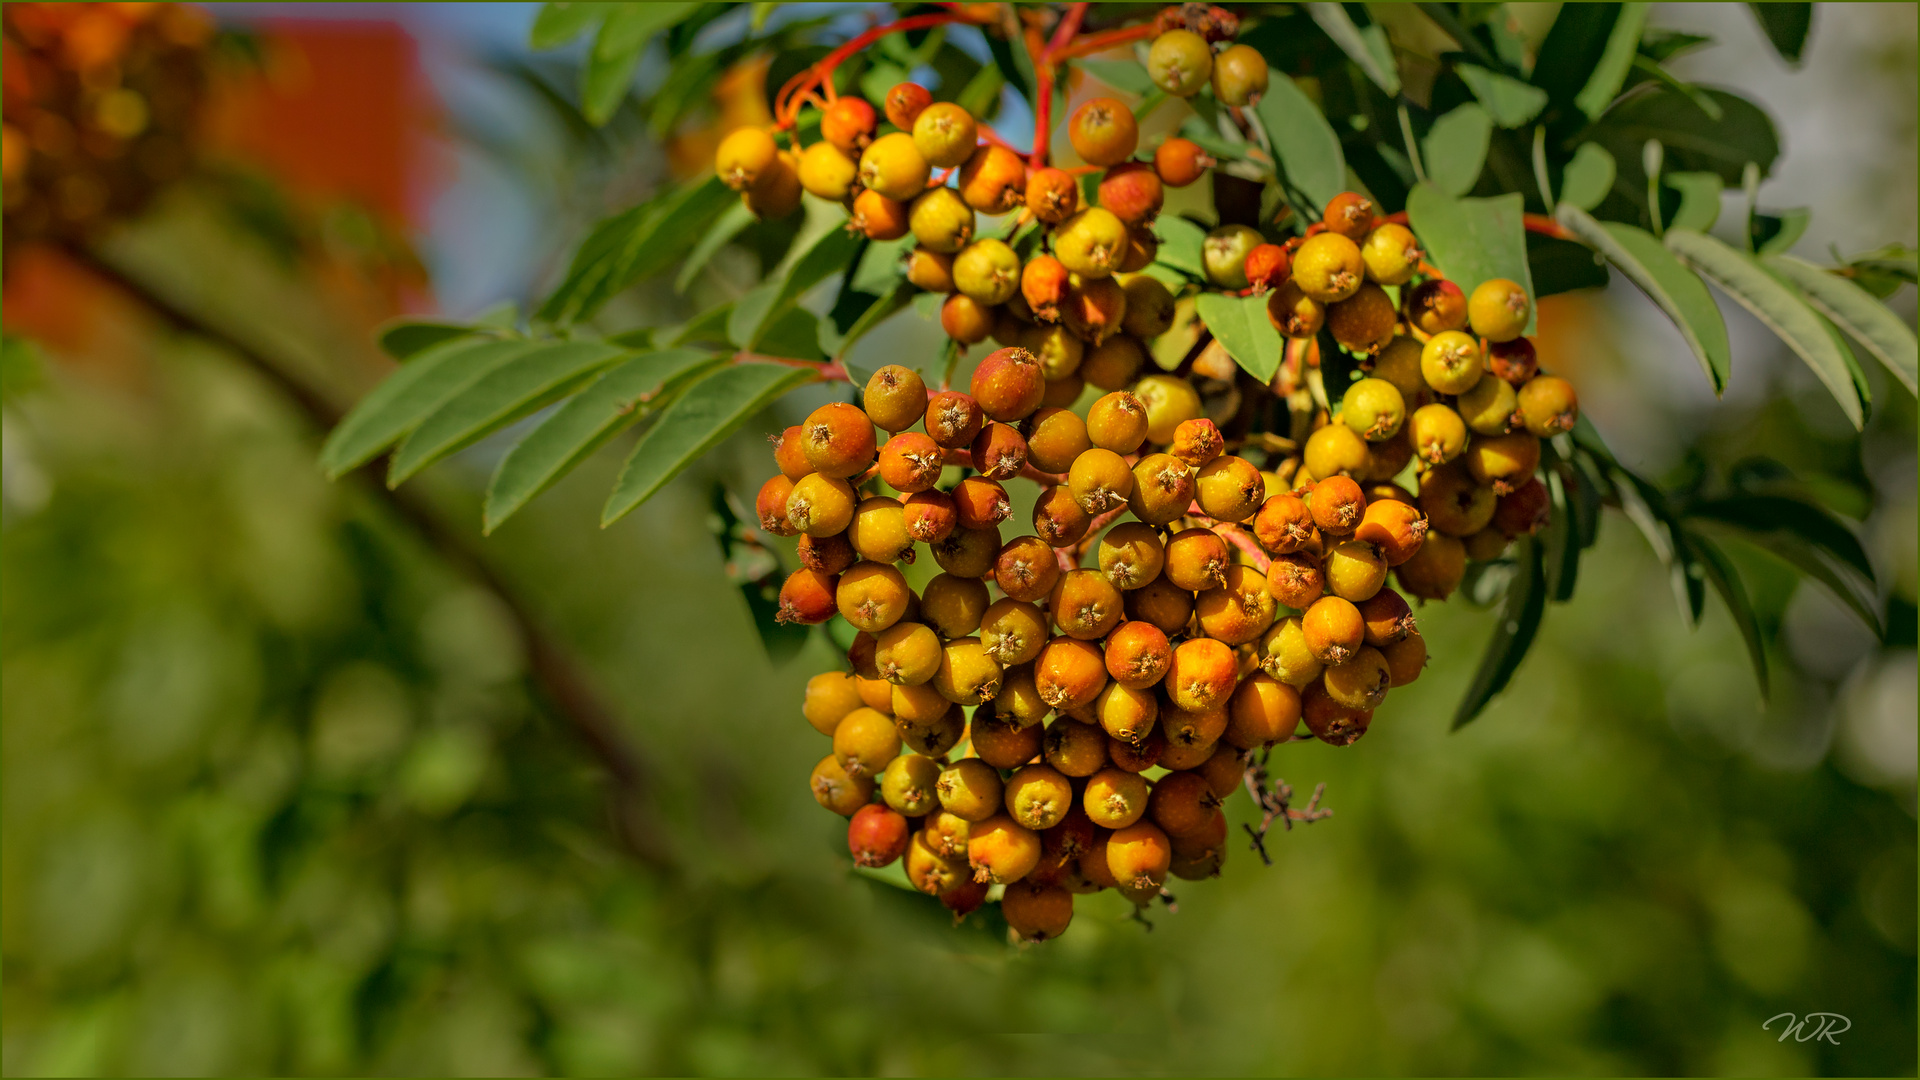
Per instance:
x=278, y=800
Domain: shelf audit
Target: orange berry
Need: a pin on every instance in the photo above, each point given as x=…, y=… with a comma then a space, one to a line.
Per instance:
x=848, y=123
x=1103, y=132
x=1180, y=162
x=1053, y=195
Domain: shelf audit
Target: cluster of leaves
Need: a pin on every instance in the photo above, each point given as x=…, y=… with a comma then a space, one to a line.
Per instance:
x=1590, y=131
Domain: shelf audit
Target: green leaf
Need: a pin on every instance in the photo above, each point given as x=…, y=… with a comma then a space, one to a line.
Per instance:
x=1802, y=517
x=1311, y=161
x=1699, y=97
x=404, y=339
x=1854, y=310
x=707, y=328
x=695, y=423
x=631, y=24
x=1472, y=240
x=611, y=404
x=1588, y=178
x=1572, y=50
x=794, y=333
x=1455, y=148
x=557, y=24
x=982, y=92
x=1786, y=26
x=1747, y=282
x=1513, y=635
x=1181, y=245
x=1509, y=101
x=604, y=83
x=889, y=304
x=756, y=312
x=1725, y=579
x=637, y=243
x=1126, y=76
x=1668, y=283
x=1699, y=199
x=1560, y=266
x=1815, y=562
x=1241, y=326
x=1648, y=508
x=510, y=391
x=1366, y=46
x=1561, y=539
x=1603, y=85
x=1693, y=141
x=729, y=225
x=1776, y=234
x=393, y=408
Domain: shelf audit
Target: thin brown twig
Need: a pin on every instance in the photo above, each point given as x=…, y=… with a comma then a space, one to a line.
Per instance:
x=558, y=675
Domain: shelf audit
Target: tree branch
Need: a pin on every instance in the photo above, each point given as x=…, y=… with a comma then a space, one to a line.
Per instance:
x=559, y=677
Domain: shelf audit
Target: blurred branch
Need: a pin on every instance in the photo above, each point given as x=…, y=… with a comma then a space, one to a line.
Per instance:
x=561, y=680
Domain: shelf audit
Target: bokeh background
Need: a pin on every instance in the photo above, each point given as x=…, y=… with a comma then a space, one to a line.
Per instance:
x=303, y=778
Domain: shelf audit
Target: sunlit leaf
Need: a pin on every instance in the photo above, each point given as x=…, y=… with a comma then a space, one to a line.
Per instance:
x=1854, y=310
x=1181, y=245
x=407, y=396
x=1775, y=305
x=611, y=404
x=727, y=226
x=1455, y=148
x=1669, y=284
x=1588, y=177
x=1699, y=199
x=696, y=422
x=1241, y=326
x=1509, y=101
x=1603, y=83
x=1366, y=46
x=508, y=392
x=557, y=24
x=1472, y=240
x=1308, y=149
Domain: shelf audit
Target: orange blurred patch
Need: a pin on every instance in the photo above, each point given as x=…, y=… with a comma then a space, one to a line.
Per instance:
x=1566, y=329
x=87, y=323
x=740, y=100
x=341, y=114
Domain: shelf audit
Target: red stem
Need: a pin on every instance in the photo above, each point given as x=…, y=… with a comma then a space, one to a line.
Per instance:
x=1107, y=39
x=1043, y=107
x=1533, y=223
x=820, y=71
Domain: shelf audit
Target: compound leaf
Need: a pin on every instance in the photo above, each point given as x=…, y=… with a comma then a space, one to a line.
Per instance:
x=612, y=403
x=696, y=421
x=398, y=404
x=1773, y=303
x=1513, y=635
x=1666, y=281
x=497, y=398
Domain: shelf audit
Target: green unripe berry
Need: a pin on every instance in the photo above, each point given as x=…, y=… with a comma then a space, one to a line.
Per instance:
x=1180, y=62
x=1437, y=432
x=1224, y=254
x=1451, y=362
x=1374, y=409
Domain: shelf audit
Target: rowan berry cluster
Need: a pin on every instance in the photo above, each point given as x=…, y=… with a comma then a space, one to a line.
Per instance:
x=1067, y=710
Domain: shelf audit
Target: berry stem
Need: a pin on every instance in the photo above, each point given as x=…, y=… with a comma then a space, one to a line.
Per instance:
x=1107, y=39
x=787, y=101
x=1533, y=223
x=1043, y=94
